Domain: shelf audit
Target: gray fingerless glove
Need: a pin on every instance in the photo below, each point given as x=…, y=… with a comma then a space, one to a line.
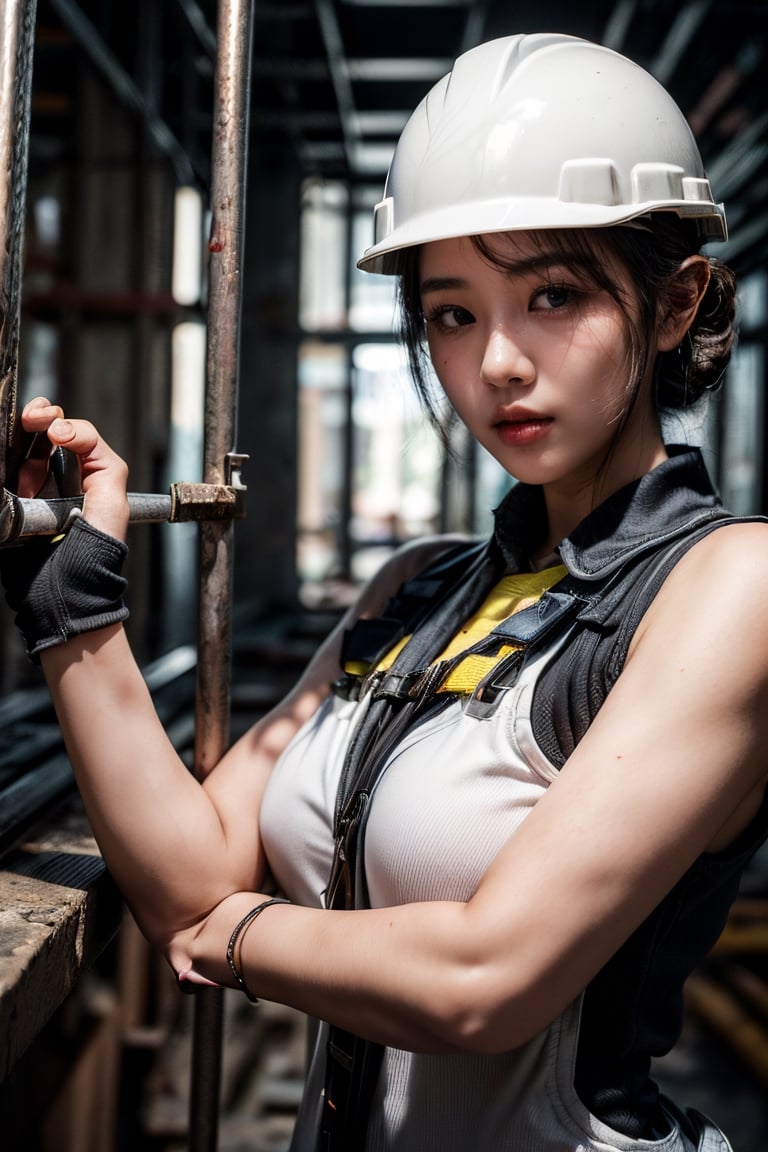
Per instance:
x=65, y=587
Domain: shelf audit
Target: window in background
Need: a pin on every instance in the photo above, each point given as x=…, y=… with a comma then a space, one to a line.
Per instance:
x=372, y=470
x=397, y=459
x=741, y=452
x=372, y=297
x=491, y=486
x=369, y=464
x=742, y=407
x=324, y=244
x=323, y=404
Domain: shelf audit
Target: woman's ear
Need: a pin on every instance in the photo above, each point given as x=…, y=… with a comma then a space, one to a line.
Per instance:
x=680, y=301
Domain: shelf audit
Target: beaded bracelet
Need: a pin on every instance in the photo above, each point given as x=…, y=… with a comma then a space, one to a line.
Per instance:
x=238, y=930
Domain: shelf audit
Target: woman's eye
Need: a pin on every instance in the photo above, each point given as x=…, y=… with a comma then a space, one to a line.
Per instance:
x=448, y=316
x=553, y=296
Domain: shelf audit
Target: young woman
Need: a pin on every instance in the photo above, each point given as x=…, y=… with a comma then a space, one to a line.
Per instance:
x=540, y=759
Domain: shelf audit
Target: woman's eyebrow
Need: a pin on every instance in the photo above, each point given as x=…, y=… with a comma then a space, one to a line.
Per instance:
x=524, y=267
x=544, y=263
x=441, y=284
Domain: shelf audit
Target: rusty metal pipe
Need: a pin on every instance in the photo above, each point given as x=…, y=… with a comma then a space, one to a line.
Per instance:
x=35, y=516
x=229, y=167
x=17, y=39
x=32, y=516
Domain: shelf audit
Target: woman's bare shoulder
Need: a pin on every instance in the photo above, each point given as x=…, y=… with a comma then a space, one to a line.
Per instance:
x=731, y=559
x=719, y=588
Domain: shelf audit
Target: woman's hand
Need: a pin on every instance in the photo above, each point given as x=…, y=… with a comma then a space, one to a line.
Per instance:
x=103, y=473
x=62, y=587
x=198, y=953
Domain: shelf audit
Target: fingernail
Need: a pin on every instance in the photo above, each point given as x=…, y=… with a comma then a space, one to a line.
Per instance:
x=62, y=429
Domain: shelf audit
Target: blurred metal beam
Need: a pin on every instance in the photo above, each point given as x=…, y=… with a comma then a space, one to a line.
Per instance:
x=408, y=3
x=198, y=22
x=337, y=65
x=740, y=159
x=681, y=32
x=185, y=165
x=618, y=24
x=747, y=238
x=724, y=86
x=474, y=28
x=398, y=68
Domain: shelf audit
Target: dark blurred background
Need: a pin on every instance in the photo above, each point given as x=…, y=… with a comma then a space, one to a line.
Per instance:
x=342, y=466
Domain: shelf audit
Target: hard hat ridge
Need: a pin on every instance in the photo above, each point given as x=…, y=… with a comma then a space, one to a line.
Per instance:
x=539, y=131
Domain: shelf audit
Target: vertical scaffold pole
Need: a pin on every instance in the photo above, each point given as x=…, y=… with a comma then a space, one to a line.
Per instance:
x=17, y=40
x=212, y=711
x=229, y=167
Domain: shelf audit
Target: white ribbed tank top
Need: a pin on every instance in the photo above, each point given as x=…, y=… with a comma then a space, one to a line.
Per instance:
x=452, y=794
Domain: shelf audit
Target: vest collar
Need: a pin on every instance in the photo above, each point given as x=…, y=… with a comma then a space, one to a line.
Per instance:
x=664, y=503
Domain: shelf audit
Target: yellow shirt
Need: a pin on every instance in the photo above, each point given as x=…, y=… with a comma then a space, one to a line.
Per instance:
x=510, y=595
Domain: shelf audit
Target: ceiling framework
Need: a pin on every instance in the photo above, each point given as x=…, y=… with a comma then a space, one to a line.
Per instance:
x=338, y=78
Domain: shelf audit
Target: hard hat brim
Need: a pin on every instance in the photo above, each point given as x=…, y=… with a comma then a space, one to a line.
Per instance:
x=521, y=214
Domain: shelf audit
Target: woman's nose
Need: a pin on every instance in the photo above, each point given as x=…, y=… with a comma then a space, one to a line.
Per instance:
x=505, y=361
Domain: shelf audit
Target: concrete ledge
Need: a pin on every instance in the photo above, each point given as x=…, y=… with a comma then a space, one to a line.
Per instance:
x=58, y=910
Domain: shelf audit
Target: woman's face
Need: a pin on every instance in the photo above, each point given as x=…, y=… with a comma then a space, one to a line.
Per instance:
x=535, y=359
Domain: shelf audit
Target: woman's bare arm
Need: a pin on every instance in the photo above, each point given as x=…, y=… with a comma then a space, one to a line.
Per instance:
x=673, y=766
x=175, y=848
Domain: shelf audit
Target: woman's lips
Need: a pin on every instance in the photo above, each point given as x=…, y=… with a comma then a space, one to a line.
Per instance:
x=523, y=429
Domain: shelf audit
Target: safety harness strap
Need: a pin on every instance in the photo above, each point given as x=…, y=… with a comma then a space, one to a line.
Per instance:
x=430, y=610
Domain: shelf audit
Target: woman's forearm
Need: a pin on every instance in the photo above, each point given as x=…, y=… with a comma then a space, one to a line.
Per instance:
x=415, y=976
x=157, y=828
x=371, y=972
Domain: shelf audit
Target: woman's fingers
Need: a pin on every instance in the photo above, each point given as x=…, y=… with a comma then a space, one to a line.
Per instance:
x=36, y=448
x=40, y=416
x=45, y=429
x=38, y=413
x=103, y=473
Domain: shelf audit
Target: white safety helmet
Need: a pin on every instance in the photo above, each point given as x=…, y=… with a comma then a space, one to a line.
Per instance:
x=539, y=131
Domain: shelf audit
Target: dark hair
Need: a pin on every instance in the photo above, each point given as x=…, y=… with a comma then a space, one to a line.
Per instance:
x=651, y=250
